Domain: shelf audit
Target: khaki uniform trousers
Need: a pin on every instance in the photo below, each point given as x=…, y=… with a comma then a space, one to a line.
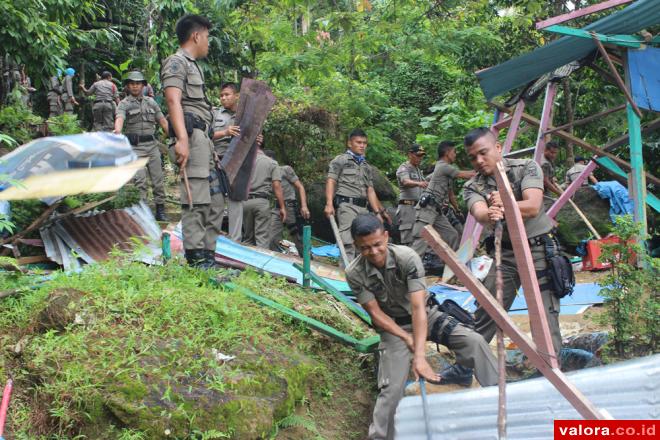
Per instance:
x=153, y=171
x=103, y=113
x=484, y=324
x=277, y=228
x=234, y=214
x=395, y=359
x=256, y=222
x=198, y=230
x=346, y=213
x=66, y=104
x=54, y=106
x=429, y=216
x=406, y=214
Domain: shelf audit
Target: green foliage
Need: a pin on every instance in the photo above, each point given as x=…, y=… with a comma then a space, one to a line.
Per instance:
x=632, y=295
x=19, y=123
x=64, y=124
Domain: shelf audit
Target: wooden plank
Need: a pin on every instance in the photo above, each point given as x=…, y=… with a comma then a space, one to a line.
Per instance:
x=571, y=190
x=580, y=13
x=253, y=108
x=615, y=74
x=581, y=143
x=647, y=128
x=503, y=320
x=587, y=119
x=617, y=40
x=546, y=120
x=537, y=317
x=638, y=185
x=515, y=125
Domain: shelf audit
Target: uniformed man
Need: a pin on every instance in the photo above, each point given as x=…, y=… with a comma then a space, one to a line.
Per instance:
x=105, y=102
x=295, y=212
x=484, y=203
x=550, y=185
x=54, y=95
x=224, y=128
x=411, y=183
x=190, y=114
x=388, y=281
x=573, y=173
x=438, y=198
x=349, y=187
x=265, y=181
x=68, y=98
x=138, y=115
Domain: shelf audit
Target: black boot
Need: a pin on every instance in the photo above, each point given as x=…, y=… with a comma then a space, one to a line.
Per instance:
x=209, y=259
x=160, y=213
x=456, y=374
x=196, y=257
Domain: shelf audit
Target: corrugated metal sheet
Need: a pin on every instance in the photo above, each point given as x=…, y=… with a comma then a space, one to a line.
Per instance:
x=528, y=67
x=627, y=390
x=90, y=238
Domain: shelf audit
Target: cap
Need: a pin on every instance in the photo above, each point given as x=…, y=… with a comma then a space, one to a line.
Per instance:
x=416, y=149
x=580, y=159
x=135, y=76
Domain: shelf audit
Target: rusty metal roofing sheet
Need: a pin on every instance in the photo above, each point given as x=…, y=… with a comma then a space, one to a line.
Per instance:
x=626, y=390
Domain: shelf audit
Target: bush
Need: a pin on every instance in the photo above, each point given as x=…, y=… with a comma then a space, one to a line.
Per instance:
x=18, y=122
x=632, y=294
x=64, y=124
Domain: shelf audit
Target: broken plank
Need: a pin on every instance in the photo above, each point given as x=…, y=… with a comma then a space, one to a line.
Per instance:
x=580, y=13
x=571, y=190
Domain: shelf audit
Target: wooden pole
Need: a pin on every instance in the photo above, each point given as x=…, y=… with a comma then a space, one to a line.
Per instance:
x=307, y=255
x=571, y=190
x=585, y=219
x=501, y=355
x=587, y=119
x=546, y=120
x=580, y=13
x=340, y=243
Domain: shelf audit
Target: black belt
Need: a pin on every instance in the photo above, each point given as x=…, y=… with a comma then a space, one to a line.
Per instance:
x=539, y=240
x=408, y=202
x=357, y=201
x=103, y=100
x=258, y=196
x=140, y=138
x=291, y=203
x=403, y=320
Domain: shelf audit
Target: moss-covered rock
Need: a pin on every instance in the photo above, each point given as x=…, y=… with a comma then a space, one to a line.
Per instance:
x=571, y=227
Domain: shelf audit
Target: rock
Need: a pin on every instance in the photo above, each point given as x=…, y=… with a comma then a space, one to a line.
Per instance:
x=591, y=342
x=63, y=308
x=571, y=227
x=384, y=189
x=575, y=359
x=250, y=393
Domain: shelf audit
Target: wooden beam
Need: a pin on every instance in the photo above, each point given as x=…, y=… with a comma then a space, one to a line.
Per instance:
x=580, y=13
x=571, y=190
x=587, y=119
x=513, y=128
x=580, y=142
x=647, y=128
x=504, y=321
x=615, y=74
x=546, y=120
x=616, y=40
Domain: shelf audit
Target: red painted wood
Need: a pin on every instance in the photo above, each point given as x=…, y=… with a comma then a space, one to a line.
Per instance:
x=502, y=319
x=515, y=125
x=580, y=13
x=537, y=318
x=570, y=191
x=546, y=120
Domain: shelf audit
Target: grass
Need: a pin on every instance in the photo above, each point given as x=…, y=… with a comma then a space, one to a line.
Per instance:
x=139, y=334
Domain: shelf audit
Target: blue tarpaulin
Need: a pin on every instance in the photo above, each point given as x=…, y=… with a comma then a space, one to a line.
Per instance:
x=620, y=203
x=329, y=250
x=644, y=66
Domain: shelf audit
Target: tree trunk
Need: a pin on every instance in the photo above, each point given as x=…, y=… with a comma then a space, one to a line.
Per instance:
x=570, y=117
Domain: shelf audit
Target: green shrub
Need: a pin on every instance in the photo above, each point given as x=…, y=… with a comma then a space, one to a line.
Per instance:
x=64, y=124
x=18, y=122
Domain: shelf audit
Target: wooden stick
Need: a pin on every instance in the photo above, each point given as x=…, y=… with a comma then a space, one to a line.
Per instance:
x=572, y=189
x=584, y=219
x=425, y=408
x=187, y=185
x=587, y=119
x=501, y=356
x=502, y=319
x=615, y=73
x=580, y=142
x=340, y=243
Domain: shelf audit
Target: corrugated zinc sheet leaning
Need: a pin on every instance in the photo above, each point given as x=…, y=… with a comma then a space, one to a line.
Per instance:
x=627, y=390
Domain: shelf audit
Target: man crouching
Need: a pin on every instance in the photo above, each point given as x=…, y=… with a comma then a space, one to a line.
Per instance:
x=388, y=281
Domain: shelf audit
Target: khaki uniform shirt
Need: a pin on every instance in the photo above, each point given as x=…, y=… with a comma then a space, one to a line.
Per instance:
x=289, y=177
x=68, y=88
x=181, y=71
x=104, y=90
x=442, y=180
x=222, y=119
x=266, y=170
x=407, y=171
x=392, y=285
x=574, y=172
x=549, y=172
x=522, y=174
x=140, y=115
x=352, y=178
x=55, y=87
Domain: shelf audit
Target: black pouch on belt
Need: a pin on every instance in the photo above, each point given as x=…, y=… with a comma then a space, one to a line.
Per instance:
x=560, y=269
x=133, y=138
x=189, y=122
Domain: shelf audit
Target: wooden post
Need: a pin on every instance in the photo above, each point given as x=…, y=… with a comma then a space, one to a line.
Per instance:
x=571, y=190
x=513, y=128
x=546, y=120
x=502, y=319
x=638, y=187
x=307, y=254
